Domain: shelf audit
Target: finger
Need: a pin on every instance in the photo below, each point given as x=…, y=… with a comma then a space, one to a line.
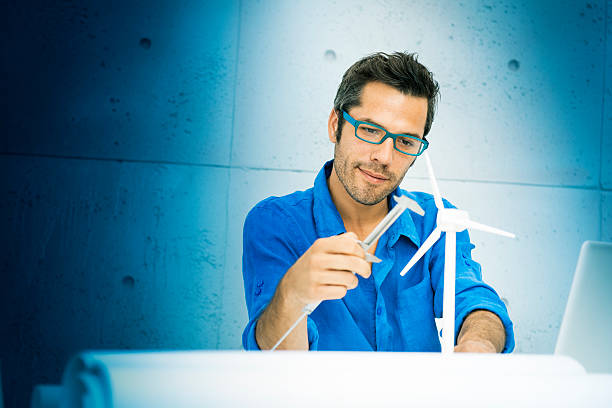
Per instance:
x=350, y=234
x=344, y=278
x=338, y=262
x=346, y=244
x=366, y=272
x=332, y=291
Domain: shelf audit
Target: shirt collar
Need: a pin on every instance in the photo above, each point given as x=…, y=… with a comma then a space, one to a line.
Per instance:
x=328, y=221
x=404, y=225
x=326, y=216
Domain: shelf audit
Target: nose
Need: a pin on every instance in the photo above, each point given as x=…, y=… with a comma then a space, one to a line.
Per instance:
x=383, y=153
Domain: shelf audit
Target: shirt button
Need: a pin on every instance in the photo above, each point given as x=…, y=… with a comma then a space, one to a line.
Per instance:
x=379, y=311
x=257, y=291
x=259, y=283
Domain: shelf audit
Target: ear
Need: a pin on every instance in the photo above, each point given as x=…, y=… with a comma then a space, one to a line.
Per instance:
x=332, y=125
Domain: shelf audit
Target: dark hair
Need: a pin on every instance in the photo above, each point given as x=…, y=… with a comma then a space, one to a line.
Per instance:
x=400, y=70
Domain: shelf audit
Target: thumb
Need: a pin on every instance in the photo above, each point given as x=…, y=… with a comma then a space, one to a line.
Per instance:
x=351, y=235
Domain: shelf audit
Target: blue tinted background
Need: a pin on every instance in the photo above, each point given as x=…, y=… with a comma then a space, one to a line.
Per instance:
x=137, y=135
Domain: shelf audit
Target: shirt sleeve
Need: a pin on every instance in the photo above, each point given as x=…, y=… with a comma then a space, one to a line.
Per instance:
x=471, y=293
x=269, y=250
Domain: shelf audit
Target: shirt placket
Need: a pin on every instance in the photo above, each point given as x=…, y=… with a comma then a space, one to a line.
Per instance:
x=383, y=331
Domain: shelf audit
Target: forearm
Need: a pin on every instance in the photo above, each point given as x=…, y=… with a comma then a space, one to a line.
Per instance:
x=481, y=331
x=280, y=314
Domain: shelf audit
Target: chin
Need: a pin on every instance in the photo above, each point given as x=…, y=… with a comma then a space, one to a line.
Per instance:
x=368, y=199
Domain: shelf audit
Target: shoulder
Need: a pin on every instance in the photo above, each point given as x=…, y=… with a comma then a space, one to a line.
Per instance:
x=283, y=223
x=279, y=209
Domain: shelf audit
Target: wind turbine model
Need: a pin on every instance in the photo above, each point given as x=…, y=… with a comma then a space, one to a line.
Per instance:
x=451, y=221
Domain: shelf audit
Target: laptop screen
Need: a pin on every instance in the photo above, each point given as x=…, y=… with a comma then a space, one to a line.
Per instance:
x=586, y=329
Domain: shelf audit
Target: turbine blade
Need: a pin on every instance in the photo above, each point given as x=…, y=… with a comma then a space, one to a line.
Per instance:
x=486, y=228
x=434, y=183
x=431, y=239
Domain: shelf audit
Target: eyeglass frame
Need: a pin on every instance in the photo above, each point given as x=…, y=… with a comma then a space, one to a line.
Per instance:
x=387, y=135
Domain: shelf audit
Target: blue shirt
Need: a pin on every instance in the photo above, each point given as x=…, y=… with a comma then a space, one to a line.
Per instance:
x=385, y=312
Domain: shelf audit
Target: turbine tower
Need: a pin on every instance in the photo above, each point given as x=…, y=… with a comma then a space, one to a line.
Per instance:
x=451, y=221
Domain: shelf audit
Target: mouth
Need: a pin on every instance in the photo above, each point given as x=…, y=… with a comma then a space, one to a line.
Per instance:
x=372, y=177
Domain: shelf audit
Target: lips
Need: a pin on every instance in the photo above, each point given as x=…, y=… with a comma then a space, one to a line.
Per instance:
x=374, y=176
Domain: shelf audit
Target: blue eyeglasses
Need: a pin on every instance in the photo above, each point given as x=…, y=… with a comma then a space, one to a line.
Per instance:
x=371, y=133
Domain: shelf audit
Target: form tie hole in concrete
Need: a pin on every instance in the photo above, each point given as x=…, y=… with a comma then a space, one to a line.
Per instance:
x=330, y=55
x=128, y=281
x=145, y=43
x=513, y=65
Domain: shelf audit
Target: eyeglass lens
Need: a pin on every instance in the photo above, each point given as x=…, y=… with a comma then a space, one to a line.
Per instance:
x=402, y=143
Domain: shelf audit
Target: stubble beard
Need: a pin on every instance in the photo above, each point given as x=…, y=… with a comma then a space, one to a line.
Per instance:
x=346, y=172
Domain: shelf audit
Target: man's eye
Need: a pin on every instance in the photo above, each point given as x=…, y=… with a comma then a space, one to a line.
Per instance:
x=405, y=141
x=371, y=130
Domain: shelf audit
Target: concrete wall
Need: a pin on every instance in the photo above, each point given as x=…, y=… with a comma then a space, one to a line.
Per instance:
x=138, y=135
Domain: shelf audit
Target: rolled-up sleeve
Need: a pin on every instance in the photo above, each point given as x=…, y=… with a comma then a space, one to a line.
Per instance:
x=249, y=341
x=267, y=255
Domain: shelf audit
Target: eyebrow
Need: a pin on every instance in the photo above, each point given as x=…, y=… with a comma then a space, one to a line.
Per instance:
x=378, y=124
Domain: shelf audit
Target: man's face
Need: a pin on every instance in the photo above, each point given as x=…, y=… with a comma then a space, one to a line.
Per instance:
x=370, y=172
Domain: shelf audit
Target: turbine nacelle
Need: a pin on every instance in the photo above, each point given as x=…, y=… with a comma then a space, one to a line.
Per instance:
x=452, y=219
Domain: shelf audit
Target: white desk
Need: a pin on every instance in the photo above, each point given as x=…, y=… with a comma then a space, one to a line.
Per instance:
x=302, y=379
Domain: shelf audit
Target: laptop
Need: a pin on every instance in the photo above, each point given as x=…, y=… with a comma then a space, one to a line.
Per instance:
x=586, y=329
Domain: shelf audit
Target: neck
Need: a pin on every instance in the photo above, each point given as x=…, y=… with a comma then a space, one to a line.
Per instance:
x=358, y=218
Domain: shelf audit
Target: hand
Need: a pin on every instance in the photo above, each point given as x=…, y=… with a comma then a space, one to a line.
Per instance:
x=475, y=346
x=326, y=270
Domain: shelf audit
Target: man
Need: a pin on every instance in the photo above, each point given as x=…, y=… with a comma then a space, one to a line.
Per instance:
x=297, y=249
